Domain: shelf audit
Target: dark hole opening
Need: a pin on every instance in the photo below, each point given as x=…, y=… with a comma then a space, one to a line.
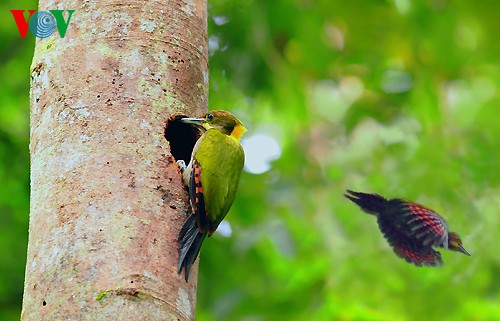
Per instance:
x=181, y=137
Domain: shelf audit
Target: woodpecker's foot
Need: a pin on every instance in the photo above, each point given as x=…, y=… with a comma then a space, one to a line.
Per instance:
x=182, y=165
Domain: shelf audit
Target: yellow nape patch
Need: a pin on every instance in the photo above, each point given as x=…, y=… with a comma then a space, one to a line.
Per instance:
x=238, y=131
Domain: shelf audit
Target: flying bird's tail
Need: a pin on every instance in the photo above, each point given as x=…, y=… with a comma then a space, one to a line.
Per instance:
x=190, y=241
x=370, y=203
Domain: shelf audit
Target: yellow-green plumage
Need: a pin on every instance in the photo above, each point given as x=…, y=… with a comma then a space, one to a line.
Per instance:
x=221, y=158
x=212, y=177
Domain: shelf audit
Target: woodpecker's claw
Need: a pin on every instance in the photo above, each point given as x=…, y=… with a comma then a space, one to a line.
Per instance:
x=185, y=171
x=182, y=165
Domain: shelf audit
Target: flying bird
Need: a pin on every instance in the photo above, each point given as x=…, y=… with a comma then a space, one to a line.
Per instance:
x=410, y=228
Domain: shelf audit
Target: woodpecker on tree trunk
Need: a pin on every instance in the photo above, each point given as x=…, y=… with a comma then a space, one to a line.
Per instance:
x=212, y=177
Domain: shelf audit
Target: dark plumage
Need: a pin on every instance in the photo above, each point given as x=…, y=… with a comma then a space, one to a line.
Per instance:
x=411, y=229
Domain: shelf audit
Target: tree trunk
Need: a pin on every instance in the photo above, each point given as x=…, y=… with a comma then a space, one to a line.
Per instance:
x=107, y=200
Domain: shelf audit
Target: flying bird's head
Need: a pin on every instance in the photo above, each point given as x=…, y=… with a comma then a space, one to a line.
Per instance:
x=455, y=243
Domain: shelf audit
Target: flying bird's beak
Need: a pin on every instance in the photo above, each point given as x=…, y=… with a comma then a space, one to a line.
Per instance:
x=464, y=251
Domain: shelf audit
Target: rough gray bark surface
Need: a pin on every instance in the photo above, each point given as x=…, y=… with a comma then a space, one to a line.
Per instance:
x=107, y=200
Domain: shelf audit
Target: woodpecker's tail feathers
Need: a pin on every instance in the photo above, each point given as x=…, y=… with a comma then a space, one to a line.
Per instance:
x=370, y=203
x=190, y=241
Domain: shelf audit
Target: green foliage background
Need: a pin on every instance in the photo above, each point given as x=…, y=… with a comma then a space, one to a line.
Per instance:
x=395, y=97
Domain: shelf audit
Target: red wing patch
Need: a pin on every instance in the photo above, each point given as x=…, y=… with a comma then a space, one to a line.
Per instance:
x=426, y=225
x=197, y=183
x=418, y=256
x=407, y=247
x=197, y=197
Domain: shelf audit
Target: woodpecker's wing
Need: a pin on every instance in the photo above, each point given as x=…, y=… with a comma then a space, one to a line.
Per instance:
x=425, y=225
x=422, y=256
x=219, y=160
x=197, y=196
x=407, y=247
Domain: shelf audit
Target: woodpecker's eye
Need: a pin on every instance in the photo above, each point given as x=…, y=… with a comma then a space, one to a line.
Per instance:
x=210, y=116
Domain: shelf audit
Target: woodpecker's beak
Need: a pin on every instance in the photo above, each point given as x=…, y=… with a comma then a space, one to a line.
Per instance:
x=193, y=121
x=464, y=251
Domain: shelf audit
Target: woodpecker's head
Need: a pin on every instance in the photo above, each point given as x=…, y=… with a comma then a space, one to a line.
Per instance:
x=455, y=243
x=221, y=120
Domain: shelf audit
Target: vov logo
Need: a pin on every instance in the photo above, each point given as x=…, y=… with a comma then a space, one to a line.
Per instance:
x=42, y=24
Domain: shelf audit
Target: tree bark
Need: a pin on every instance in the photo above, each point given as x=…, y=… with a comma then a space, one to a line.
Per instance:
x=107, y=200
